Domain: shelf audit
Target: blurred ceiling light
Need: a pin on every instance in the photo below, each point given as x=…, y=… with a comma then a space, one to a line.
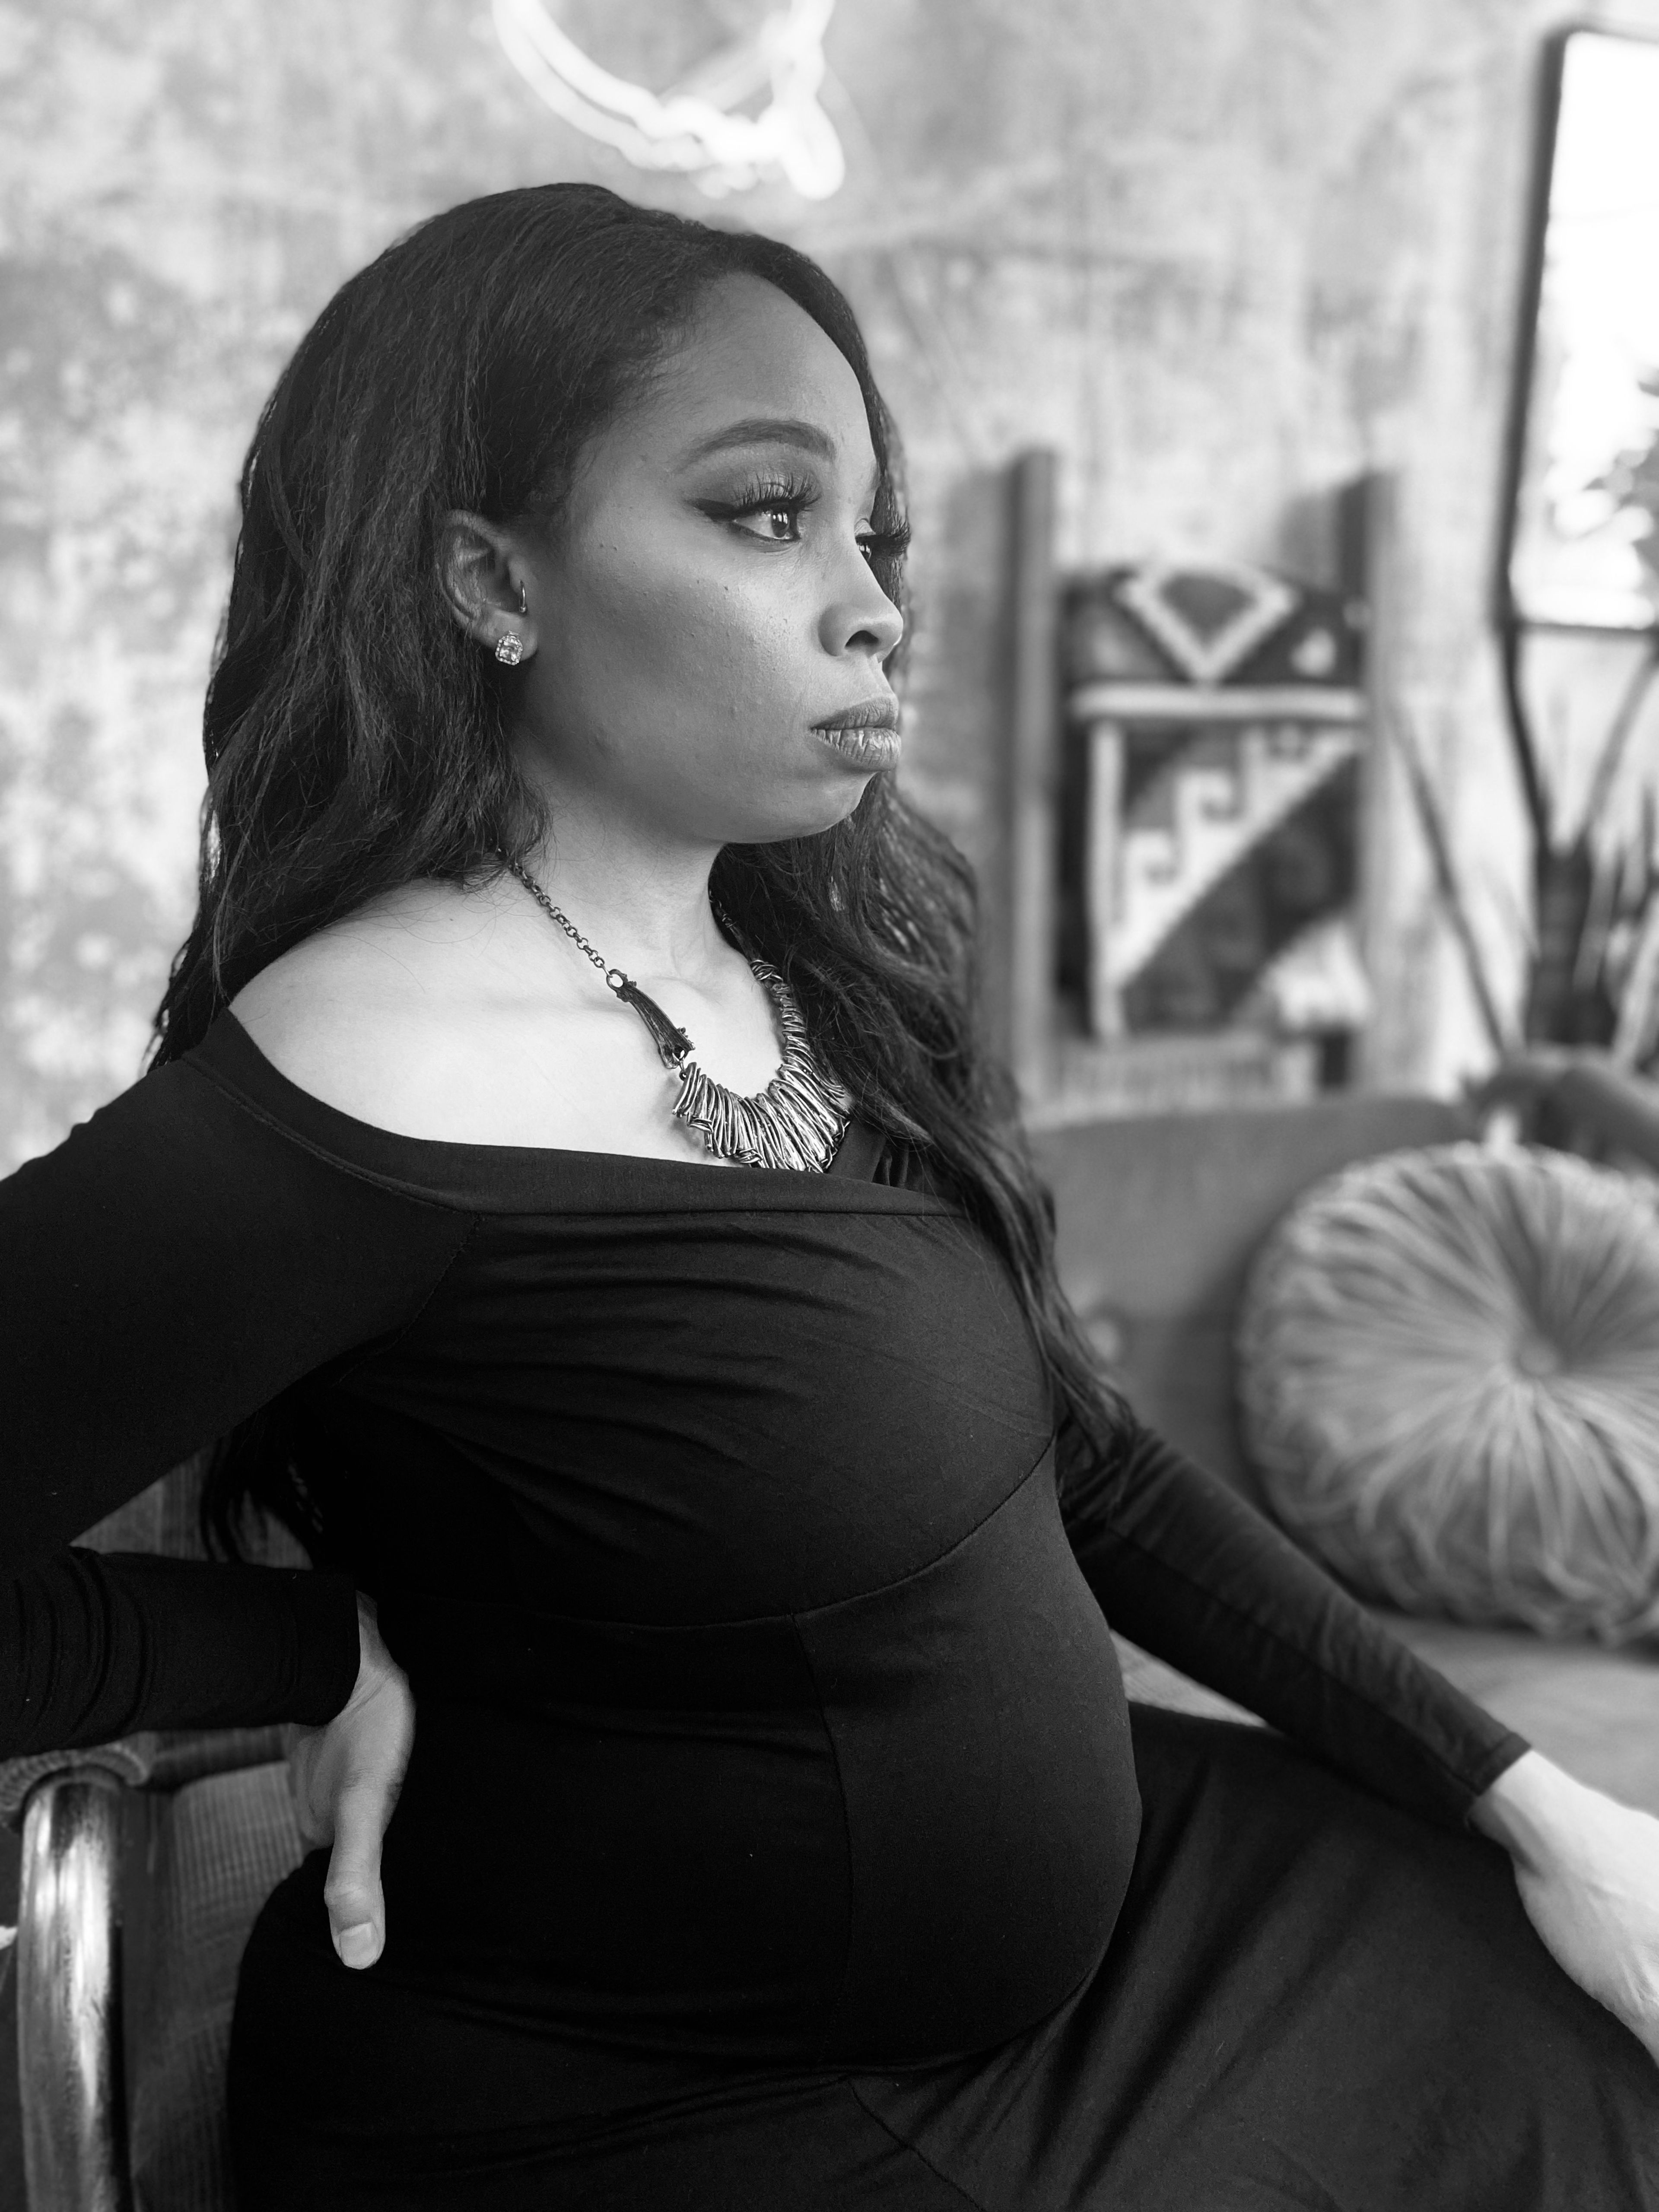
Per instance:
x=692, y=127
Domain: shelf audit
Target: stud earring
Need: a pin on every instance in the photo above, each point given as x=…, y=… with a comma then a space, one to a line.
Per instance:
x=509, y=649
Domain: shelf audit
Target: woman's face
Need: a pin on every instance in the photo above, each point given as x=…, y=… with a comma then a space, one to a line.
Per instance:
x=708, y=634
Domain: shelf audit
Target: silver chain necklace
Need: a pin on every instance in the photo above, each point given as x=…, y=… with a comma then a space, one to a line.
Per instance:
x=797, y=1122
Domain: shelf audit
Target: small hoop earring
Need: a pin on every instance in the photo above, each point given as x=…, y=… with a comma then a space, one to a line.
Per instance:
x=524, y=599
x=509, y=649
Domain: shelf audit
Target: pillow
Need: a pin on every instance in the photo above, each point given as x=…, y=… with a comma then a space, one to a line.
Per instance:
x=1449, y=1377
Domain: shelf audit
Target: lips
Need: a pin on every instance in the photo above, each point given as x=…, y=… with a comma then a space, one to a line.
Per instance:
x=867, y=736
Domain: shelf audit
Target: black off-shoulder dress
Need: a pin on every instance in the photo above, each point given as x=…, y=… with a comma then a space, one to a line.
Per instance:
x=777, y=1834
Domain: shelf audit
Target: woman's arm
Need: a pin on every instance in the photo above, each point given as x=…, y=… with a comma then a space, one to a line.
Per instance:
x=175, y=1265
x=1188, y=1569
x=101, y=1644
x=97, y=1645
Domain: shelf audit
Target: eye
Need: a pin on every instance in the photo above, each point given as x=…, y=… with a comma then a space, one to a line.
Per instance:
x=887, y=544
x=778, y=521
x=768, y=508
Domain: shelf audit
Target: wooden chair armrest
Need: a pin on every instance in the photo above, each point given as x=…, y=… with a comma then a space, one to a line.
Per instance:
x=154, y=1759
x=128, y=1762
x=69, y=1995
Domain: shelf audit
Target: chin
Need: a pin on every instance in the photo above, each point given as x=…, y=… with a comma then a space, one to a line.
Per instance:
x=811, y=822
x=794, y=811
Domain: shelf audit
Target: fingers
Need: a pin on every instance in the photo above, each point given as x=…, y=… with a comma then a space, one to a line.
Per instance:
x=311, y=1815
x=352, y=1892
x=346, y=1777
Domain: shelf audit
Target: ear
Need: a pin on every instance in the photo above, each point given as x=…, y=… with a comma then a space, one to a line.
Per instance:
x=490, y=584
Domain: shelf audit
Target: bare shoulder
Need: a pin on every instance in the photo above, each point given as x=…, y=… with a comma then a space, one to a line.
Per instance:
x=457, y=1016
x=354, y=1013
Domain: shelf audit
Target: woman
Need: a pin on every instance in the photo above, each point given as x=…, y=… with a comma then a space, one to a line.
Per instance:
x=774, y=1832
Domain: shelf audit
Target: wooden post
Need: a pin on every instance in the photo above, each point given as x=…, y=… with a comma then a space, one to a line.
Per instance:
x=1102, y=867
x=1367, y=567
x=1033, y=776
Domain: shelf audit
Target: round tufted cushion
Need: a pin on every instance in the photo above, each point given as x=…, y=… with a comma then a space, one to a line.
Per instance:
x=1448, y=1376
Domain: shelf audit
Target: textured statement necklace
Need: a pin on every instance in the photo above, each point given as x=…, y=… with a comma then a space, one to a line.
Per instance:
x=797, y=1121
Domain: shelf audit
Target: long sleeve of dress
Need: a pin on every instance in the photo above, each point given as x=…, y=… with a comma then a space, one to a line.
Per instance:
x=95, y=1646
x=175, y=1264
x=171, y=1267
x=1187, y=1569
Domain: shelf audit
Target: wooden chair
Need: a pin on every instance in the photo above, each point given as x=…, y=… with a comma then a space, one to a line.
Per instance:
x=144, y=1863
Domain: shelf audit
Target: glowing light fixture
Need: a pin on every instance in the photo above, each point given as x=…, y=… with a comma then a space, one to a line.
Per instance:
x=693, y=127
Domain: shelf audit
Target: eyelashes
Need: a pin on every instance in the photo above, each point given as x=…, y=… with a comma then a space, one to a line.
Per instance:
x=776, y=491
x=786, y=498
x=889, y=545
x=782, y=497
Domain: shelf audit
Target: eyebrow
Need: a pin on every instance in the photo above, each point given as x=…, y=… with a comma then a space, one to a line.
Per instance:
x=766, y=430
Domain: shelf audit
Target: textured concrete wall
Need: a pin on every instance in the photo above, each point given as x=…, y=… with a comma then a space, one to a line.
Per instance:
x=1222, y=253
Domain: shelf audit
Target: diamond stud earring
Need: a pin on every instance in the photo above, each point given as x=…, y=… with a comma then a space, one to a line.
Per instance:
x=509, y=649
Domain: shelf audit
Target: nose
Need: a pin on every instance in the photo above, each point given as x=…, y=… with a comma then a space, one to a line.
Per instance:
x=860, y=618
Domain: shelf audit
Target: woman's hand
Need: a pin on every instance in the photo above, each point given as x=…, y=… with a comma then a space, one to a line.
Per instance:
x=1588, y=1871
x=345, y=1778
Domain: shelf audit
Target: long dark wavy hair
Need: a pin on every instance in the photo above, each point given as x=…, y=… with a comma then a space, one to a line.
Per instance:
x=357, y=739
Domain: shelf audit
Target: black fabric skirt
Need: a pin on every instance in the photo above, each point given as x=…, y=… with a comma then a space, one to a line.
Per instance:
x=1310, y=2001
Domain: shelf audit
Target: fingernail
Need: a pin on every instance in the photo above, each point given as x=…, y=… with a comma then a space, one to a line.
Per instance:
x=358, y=1945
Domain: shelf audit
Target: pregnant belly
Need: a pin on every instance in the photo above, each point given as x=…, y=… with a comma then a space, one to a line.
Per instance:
x=882, y=1831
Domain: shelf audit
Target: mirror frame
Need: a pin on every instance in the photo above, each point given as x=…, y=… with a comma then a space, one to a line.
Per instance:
x=1520, y=457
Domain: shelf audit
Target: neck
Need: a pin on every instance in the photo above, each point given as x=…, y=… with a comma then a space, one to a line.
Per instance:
x=641, y=902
